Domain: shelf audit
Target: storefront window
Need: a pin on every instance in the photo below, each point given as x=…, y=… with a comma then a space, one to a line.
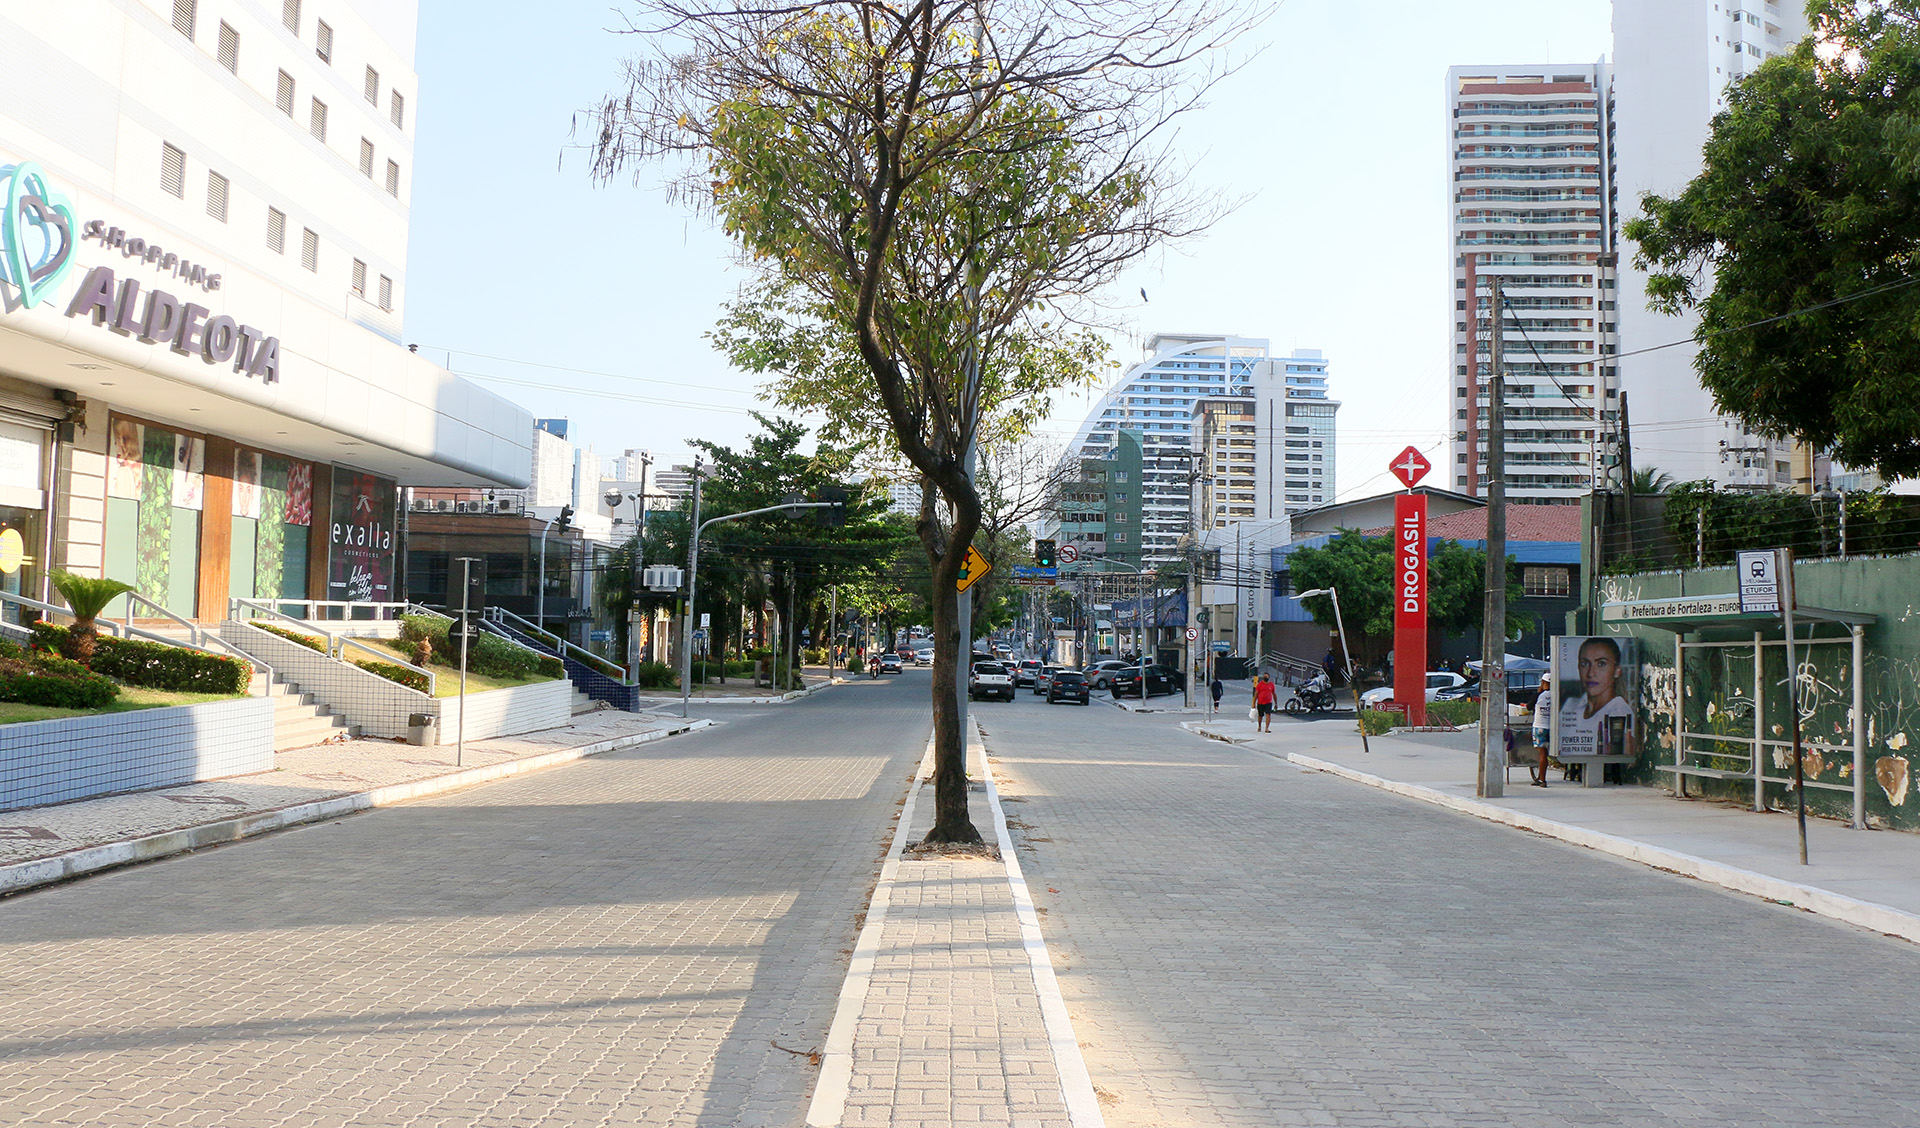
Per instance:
x=19, y=555
x=155, y=486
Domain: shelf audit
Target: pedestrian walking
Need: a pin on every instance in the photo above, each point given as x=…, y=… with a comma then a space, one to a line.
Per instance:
x=1327, y=665
x=1263, y=694
x=1219, y=689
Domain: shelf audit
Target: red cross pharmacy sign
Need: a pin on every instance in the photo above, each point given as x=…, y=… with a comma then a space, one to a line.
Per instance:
x=1410, y=587
x=1409, y=467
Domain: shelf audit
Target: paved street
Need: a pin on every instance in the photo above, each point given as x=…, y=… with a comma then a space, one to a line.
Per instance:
x=636, y=939
x=1242, y=943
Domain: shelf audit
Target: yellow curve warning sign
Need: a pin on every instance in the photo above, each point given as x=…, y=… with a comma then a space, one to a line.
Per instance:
x=972, y=569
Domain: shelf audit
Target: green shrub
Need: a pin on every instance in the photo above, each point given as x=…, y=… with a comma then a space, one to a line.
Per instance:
x=412, y=679
x=58, y=682
x=655, y=675
x=814, y=656
x=856, y=664
x=1453, y=712
x=1376, y=722
x=551, y=667
x=311, y=642
x=172, y=668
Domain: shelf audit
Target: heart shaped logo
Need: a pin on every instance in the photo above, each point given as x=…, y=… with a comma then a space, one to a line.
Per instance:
x=36, y=234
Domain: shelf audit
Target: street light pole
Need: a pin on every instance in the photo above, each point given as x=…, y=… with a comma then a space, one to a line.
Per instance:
x=1353, y=683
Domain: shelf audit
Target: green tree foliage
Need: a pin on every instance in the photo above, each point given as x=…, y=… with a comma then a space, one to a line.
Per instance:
x=1361, y=568
x=928, y=185
x=1807, y=198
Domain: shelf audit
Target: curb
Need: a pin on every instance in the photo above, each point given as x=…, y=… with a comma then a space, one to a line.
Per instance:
x=671, y=702
x=1866, y=914
x=21, y=876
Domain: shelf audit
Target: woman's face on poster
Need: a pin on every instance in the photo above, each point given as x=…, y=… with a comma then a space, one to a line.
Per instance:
x=1599, y=670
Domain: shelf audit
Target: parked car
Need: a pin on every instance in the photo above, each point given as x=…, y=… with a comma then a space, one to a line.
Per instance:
x=1145, y=681
x=1046, y=674
x=890, y=664
x=1100, y=674
x=1025, y=670
x=990, y=679
x=923, y=656
x=1068, y=685
x=1437, y=680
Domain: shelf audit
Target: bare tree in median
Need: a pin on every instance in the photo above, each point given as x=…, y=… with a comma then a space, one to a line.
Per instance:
x=923, y=185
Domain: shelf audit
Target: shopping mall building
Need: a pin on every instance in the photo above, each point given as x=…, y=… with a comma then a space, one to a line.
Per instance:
x=203, y=390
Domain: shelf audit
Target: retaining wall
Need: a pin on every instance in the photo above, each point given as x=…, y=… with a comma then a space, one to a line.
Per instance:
x=44, y=762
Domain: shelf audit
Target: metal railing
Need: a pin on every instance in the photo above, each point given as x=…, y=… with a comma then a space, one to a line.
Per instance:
x=336, y=645
x=196, y=638
x=560, y=645
x=338, y=610
x=1289, y=670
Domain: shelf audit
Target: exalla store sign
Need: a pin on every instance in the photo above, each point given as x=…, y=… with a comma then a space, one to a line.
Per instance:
x=37, y=244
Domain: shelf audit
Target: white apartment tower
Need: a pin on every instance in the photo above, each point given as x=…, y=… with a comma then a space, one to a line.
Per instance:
x=1284, y=441
x=1531, y=199
x=1673, y=61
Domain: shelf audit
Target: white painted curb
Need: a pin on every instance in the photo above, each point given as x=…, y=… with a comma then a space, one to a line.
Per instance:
x=1076, y=1084
x=21, y=876
x=829, y=1102
x=1866, y=914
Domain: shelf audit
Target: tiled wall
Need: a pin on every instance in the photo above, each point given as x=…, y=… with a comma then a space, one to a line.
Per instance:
x=501, y=712
x=379, y=707
x=45, y=762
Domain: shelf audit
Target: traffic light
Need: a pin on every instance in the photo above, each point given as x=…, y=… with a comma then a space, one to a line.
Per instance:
x=1043, y=553
x=835, y=515
x=565, y=521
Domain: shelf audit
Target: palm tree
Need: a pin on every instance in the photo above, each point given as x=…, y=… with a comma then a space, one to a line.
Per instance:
x=86, y=597
x=1651, y=480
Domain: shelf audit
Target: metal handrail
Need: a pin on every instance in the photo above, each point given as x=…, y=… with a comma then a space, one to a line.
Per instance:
x=235, y=603
x=382, y=611
x=198, y=637
x=113, y=628
x=387, y=657
x=129, y=631
x=585, y=657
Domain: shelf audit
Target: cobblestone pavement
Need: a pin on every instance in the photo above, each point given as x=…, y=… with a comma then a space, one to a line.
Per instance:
x=300, y=775
x=650, y=937
x=1242, y=943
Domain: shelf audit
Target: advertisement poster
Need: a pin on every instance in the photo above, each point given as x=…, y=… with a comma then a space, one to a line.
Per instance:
x=300, y=493
x=124, y=466
x=360, y=542
x=189, y=466
x=246, y=483
x=1596, y=680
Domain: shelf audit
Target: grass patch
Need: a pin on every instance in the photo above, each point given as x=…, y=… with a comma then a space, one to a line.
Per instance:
x=446, y=682
x=131, y=698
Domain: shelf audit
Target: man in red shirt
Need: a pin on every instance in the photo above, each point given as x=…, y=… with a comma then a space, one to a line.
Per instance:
x=1263, y=694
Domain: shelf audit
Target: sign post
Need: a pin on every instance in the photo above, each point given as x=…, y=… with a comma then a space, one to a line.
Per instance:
x=1410, y=587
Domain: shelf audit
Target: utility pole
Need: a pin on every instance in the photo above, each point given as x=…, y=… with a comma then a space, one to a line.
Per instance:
x=686, y=618
x=1493, y=646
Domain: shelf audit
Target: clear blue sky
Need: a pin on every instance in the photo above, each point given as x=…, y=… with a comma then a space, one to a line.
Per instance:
x=1336, y=132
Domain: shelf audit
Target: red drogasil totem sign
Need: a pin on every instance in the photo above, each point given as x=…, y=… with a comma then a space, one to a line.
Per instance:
x=1410, y=605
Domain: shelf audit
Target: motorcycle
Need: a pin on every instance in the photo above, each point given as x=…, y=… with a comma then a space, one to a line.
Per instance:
x=1312, y=697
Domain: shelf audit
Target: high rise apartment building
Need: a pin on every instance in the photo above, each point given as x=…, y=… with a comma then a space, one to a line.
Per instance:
x=1177, y=402
x=1673, y=60
x=1531, y=201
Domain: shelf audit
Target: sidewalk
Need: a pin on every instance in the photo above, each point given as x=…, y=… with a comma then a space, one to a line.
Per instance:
x=742, y=691
x=40, y=845
x=950, y=1014
x=1867, y=878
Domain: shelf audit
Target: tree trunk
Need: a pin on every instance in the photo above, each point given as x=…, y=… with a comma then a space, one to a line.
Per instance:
x=951, y=821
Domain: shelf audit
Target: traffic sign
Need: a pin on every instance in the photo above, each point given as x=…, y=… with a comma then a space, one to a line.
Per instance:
x=1034, y=582
x=1192, y=633
x=971, y=569
x=699, y=634
x=1759, y=580
x=1022, y=572
x=1068, y=554
x=1409, y=466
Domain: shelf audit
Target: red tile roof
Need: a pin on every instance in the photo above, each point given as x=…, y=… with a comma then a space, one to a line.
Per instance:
x=1524, y=523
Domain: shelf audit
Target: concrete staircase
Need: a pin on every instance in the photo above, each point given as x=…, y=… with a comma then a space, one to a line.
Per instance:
x=299, y=721
x=581, y=702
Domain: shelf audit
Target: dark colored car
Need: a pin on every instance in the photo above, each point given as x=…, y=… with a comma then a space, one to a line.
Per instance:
x=1068, y=685
x=1042, y=676
x=1024, y=671
x=1156, y=680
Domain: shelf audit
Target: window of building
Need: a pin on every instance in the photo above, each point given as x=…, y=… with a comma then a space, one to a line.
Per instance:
x=310, y=250
x=386, y=292
x=184, y=12
x=393, y=179
x=173, y=170
x=360, y=278
x=323, y=41
x=276, y=231
x=229, y=55
x=398, y=110
x=216, y=196
x=317, y=121
x=1545, y=581
x=373, y=87
x=290, y=15
x=285, y=98
x=366, y=158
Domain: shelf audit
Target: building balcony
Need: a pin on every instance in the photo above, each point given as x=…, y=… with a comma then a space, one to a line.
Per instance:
x=1525, y=132
x=1519, y=239
x=1519, y=174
